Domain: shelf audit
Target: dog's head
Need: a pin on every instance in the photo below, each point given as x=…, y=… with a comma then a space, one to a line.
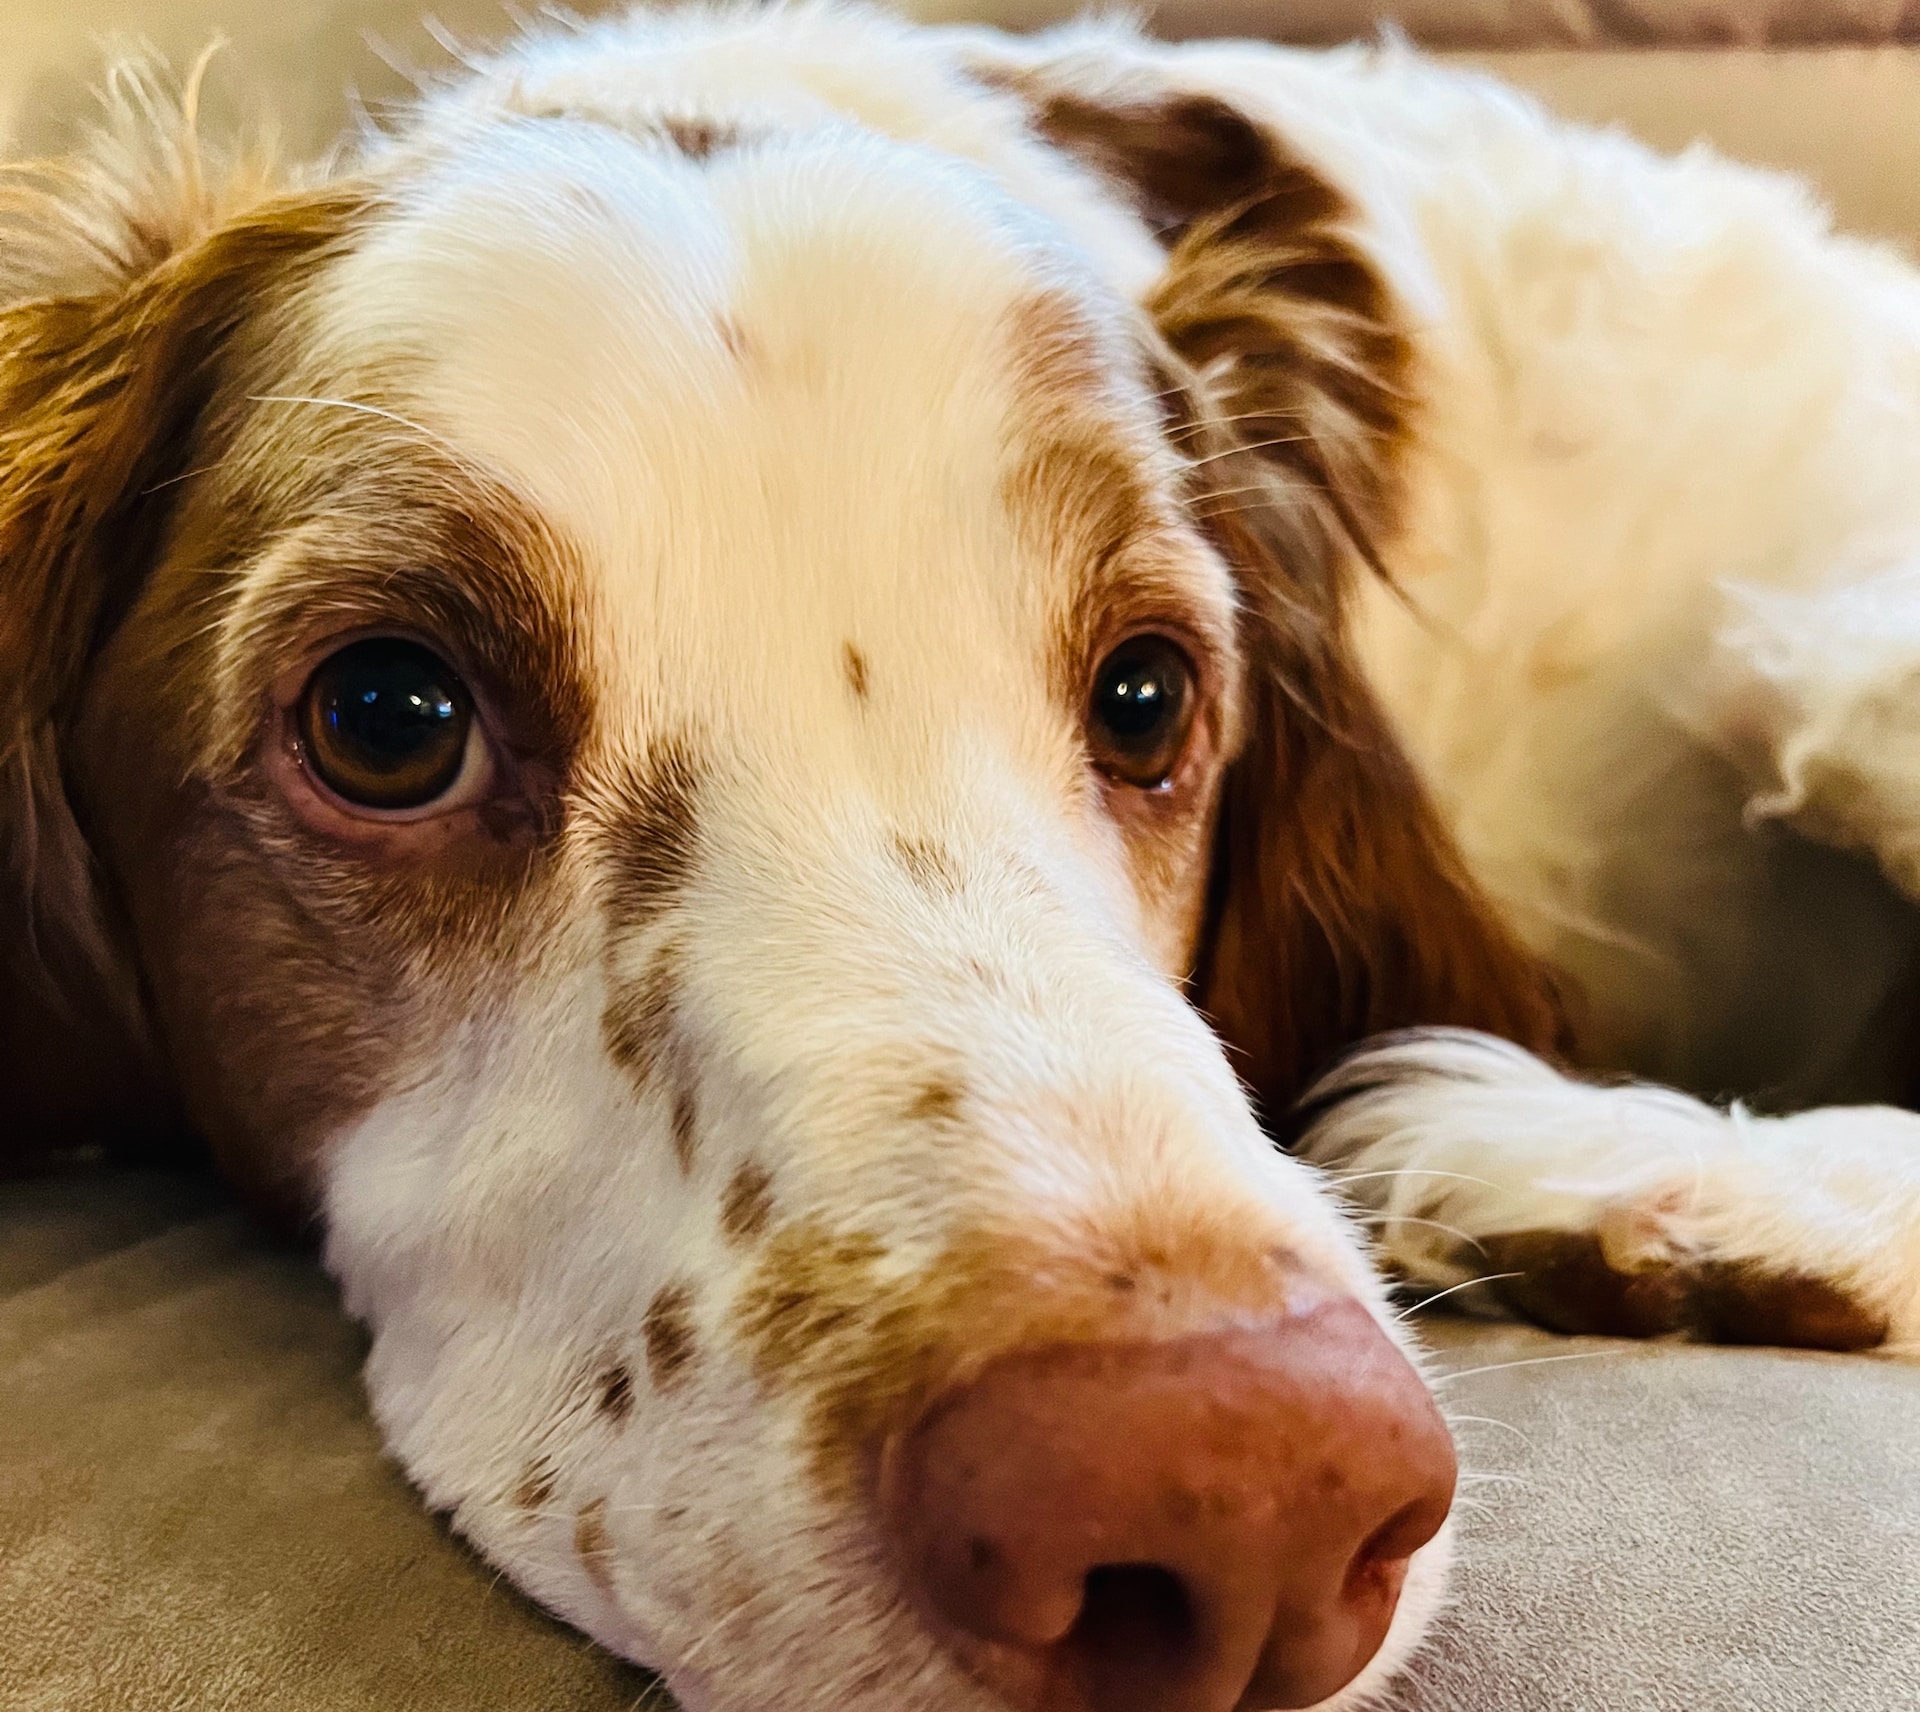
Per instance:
x=666, y=703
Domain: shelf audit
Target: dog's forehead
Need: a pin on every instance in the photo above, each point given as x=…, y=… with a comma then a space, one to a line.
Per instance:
x=774, y=390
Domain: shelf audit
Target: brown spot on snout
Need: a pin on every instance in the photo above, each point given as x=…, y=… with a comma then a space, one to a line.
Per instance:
x=685, y=1124
x=637, y=1024
x=824, y=1316
x=534, y=1490
x=811, y=1285
x=595, y=1545
x=613, y=1392
x=853, y=664
x=669, y=1333
x=747, y=1204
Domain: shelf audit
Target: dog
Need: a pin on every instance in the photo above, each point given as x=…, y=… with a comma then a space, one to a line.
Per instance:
x=753, y=705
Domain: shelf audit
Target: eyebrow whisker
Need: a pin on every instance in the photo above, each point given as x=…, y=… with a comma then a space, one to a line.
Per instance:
x=358, y=408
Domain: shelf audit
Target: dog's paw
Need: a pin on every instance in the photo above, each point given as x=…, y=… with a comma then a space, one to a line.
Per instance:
x=1628, y=1211
x=1620, y=1280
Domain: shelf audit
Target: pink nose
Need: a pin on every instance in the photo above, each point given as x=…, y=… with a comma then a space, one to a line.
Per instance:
x=1217, y=1523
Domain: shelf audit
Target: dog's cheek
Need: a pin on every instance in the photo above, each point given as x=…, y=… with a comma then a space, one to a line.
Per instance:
x=292, y=986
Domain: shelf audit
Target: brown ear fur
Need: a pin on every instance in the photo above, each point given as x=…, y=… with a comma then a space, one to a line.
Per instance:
x=123, y=281
x=1342, y=906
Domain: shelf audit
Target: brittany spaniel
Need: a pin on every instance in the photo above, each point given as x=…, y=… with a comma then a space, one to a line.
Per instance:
x=754, y=706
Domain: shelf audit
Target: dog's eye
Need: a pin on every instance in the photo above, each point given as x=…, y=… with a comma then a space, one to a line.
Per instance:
x=1141, y=711
x=386, y=724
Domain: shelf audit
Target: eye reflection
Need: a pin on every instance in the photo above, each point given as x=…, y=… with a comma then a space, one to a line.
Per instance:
x=1140, y=712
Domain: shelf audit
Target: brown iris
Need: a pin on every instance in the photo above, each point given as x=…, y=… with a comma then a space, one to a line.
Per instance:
x=1140, y=711
x=385, y=724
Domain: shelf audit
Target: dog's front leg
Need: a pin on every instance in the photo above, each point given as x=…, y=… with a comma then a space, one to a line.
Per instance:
x=1627, y=1209
x=1816, y=694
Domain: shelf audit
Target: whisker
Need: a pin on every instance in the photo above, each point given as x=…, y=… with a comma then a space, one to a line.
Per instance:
x=1489, y=1421
x=1233, y=492
x=1246, y=446
x=1530, y=1361
x=1451, y=1289
x=185, y=476
x=357, y=408
x=1345, y=1177
x=1415, y=1219
x=705, y=1643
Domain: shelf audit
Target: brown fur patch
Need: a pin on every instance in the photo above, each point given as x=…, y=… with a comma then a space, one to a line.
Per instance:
x=648, y=833
x=698, y=139
x=637, y=1025
x=140, y=465
x=746, y=1206
x=1058, y=352
x=811, y=1284
x=117, y=323
x=823, y=1316
x=939, y=1099
x=1746, y=1303
x=1566, y=1285
x=671, y=1346
x=594, y=1544
x=613, y=1392
x=928, y=863
x=853, y=666
x=1180, y=155
x=685, y=1124
x=331, y=964
x=535, y=1488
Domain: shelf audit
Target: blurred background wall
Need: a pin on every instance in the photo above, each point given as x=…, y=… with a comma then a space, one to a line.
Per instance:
x=1828, y=87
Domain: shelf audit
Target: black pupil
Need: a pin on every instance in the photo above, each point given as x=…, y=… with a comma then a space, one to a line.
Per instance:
x=1140, y=693
x=387, y=723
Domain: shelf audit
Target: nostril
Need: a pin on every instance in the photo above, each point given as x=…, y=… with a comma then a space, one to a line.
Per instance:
x=1383, y=1554
x=1137, y=1636
x=1192, y=1524
x=1137, y=1607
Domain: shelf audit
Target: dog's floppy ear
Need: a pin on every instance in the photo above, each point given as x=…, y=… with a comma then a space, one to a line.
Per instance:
x=124, y=274
x=1341, y=906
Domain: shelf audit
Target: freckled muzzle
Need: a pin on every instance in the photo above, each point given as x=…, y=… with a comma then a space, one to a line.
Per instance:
x=1211, y=1523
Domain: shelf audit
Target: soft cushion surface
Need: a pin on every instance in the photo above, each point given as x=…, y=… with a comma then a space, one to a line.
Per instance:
x=195, y=1512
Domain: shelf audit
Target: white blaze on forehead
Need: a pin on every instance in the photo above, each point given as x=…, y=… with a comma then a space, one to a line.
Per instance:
x=768, y=393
